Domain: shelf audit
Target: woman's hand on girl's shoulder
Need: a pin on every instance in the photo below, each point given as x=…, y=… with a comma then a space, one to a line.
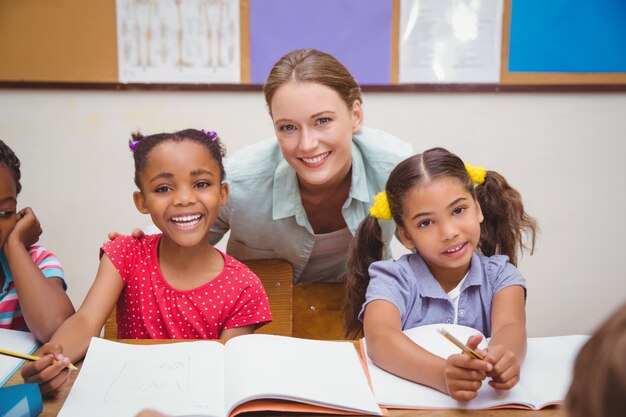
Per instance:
x=506, y=368
x=136, y=233
x=50, y=372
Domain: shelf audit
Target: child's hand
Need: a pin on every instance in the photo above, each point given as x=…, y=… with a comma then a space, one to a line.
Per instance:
x=51, y=376
x=506, y=367
x=27, y=228
x=464, y=375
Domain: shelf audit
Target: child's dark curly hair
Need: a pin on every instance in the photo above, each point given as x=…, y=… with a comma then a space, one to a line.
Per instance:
x=9, y=160
x=142, y=145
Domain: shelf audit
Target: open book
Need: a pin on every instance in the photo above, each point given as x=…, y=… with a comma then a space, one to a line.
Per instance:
x=207, y=378
x=544, y=378
x=15, y=341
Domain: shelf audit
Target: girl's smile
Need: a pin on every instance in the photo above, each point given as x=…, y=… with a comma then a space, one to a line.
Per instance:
x=186, y=221
x=456, y=251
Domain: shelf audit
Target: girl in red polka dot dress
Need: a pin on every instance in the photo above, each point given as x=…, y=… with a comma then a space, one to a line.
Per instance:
x=173, y=285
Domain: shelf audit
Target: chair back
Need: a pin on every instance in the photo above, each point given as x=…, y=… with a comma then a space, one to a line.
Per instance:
x=311, y=311
x=318, y=310
x=276, y=275
x=110, y=326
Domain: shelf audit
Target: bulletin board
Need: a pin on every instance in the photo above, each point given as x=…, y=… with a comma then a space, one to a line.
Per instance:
x=73, y=44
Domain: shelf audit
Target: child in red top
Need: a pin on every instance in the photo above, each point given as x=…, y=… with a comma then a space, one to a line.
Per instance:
x=170, y=285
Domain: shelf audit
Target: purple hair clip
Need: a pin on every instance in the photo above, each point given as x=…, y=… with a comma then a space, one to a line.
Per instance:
x=132, y=144
x=211, y=134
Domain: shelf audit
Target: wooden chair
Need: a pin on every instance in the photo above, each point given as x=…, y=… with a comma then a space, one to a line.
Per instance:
x=277, y=278
x=309, y=311
x=318, y=310
x=276, y=275
x=110, y=326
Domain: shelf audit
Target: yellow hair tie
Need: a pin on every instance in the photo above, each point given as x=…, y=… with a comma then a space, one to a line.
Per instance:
x=476, y=174
x=380, y=209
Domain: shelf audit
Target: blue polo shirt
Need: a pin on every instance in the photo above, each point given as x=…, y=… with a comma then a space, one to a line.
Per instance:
x=408, y=284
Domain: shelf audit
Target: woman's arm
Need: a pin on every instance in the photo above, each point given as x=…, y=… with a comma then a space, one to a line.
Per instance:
x=44, y=303
x=72, y=339
x=507, y=346
x=459, y=376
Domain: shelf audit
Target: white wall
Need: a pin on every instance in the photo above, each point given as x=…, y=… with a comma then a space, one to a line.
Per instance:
x=564, y=152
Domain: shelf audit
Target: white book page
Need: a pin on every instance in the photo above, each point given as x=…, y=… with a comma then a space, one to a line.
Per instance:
x=311, y=371
x=543, y=370
x=118, y=379
x=14, y=341
x=547, y=369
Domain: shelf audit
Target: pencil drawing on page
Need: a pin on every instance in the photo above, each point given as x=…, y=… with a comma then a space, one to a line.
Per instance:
x=150, y=378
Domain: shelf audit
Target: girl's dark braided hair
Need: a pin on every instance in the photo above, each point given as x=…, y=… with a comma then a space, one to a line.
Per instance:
x=9, y=160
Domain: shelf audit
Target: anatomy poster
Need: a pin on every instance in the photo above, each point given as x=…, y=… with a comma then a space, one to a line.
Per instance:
x=178, y=41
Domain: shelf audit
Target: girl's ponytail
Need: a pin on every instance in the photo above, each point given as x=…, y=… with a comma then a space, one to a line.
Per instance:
x=368, y=244
x=505, y=222
x=367, y=247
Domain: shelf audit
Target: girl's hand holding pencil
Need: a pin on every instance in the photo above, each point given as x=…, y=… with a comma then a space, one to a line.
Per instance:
x=464, y=373
x=503, y=367
x=51, y=372
x=31, y=358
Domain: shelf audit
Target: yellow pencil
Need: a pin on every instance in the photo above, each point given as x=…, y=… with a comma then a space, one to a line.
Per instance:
x=30, y=358
x=466, y=349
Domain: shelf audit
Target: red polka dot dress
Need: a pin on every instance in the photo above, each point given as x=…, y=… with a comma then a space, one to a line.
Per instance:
x=149, y=308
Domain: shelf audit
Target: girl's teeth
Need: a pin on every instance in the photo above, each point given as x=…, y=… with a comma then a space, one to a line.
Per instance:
x=186, y=221
x=186, y=218
x=454, y=249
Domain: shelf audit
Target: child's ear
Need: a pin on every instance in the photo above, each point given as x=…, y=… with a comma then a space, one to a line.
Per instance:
x=140, y=202
x=405, y=238
x=480, y=213
x=224, y=194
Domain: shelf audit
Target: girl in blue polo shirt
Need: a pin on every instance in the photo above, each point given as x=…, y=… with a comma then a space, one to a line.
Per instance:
x=465, y=226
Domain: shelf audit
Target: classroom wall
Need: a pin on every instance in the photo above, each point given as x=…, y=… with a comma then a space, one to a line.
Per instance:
x=563, y=151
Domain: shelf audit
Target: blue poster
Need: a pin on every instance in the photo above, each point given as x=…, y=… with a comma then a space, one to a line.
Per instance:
x=568, y=36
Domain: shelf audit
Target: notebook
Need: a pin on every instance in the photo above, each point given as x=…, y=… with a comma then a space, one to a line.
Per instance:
x=206, y=378
x=15, y=341
x=22, y=400
x=544, y=378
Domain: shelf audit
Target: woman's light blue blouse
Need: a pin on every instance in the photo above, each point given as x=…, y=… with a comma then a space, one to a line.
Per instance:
x=265, y=215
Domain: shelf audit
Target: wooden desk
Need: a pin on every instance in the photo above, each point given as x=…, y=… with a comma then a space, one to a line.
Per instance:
x=51, y=406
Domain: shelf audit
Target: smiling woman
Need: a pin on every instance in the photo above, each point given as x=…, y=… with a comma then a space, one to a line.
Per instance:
x=301, y=195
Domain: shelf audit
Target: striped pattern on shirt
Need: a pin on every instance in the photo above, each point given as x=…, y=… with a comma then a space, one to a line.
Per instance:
x=10, y=311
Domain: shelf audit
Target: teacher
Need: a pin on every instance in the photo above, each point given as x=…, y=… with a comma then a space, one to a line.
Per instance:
x=301, y=195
